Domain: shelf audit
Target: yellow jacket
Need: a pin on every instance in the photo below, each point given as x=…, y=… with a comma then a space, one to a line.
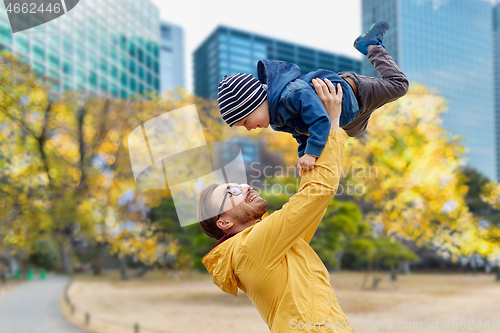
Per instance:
x=273, y=264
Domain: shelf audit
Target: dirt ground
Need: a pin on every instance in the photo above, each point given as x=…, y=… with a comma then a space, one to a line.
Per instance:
x=450, y=303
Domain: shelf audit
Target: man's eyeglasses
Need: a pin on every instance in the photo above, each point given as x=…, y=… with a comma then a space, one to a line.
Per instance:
x=233, y=190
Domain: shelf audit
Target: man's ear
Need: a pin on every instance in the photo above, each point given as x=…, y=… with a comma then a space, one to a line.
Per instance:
x=224, y=225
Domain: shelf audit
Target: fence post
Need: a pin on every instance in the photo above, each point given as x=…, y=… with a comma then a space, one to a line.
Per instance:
x=136, y=328
x=87, y=318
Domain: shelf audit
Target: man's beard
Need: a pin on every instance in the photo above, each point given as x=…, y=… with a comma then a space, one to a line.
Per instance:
x=252, y=212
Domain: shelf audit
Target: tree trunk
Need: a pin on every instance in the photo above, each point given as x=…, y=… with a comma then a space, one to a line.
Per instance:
x=376, y=279
x=338, y=257
x=143, y=270
x=123, y=267
x=498, y=273
x=13, y=265
x=4, y=277
x=65, y=251
x=367, y=274
x=404, y=267
x=394, y=275
x=474, y=264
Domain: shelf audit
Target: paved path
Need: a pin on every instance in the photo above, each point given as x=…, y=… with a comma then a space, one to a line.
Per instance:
x=33, y=307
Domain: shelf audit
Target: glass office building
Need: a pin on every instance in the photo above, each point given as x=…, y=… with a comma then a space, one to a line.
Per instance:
x=229, y=51
x=171, y=57
x=106, y=48
x=447, y=45
x=496, y=36
x=226, y=151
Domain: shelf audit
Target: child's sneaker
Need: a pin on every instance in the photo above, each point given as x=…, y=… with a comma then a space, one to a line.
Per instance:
x=375, y=35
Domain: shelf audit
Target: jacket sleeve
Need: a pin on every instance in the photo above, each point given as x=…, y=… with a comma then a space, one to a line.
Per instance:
x=306, y=102
x=302, y=141
x=269, y=240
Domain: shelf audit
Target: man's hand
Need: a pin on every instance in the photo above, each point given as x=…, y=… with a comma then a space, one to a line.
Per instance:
x=332, y=100
x=306, y=162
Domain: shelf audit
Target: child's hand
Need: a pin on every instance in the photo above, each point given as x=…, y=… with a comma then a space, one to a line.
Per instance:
x=306, y=162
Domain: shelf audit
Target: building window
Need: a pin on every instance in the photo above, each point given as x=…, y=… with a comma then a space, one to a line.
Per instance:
x=93, y=80
x=80, y=53
x=123, y=62
x=67, y=67
x=22, y=44
x=38, y=51
x=103, y=48
x=140, y=72
x=113, y=53
x=92, y=60
x=123, y=43
x=80, y=75
x=68, y=45
x=91, y=40
x=39, y=68
x=114, y=91
x=123, y=79
x=68, y=84
x=80, y=32
x=132, y=84
x=132, y=66
x=5, y=33
x=166, y=32
x=114, y=72
x=54, y=75
x=103, y=66
x=103, y=85
x=53, y=40
x=131, y=49
x=156, y=49
x=53, y=59
x=140, y=55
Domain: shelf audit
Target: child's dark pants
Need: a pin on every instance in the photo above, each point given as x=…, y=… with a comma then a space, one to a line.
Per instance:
x=374, y=92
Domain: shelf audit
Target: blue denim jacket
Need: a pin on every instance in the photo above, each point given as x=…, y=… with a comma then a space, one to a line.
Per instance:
x=294, y=106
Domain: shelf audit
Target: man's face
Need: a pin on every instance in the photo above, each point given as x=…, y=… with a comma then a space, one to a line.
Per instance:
x=259, y=118
x=240, y=209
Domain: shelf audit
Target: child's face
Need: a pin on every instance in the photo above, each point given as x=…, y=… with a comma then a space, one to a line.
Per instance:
x=259, y=118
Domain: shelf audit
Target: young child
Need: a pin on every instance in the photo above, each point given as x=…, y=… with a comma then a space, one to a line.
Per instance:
x=287, y=101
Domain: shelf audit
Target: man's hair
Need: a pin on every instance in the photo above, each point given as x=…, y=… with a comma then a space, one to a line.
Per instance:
x=207, y=214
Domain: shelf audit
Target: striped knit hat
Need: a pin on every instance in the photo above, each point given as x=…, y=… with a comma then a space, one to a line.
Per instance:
x=239, y=95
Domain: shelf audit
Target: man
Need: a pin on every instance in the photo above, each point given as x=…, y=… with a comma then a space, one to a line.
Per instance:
x=268, y=257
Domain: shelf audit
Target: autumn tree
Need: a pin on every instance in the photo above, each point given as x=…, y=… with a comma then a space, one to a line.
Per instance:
x=66, y=172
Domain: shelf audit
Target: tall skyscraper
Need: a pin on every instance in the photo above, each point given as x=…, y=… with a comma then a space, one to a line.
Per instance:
x=446, y=45
x=229, y=51
x=496, y=36
x=171, y=57
x=108, y=48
